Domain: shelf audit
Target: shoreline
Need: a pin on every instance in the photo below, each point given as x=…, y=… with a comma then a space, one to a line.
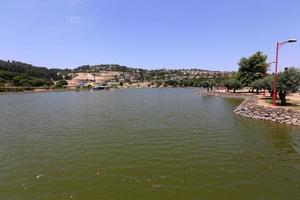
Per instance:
x=250, y=109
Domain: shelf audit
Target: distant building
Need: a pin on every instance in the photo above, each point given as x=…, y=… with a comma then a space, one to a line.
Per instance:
x=112, y=83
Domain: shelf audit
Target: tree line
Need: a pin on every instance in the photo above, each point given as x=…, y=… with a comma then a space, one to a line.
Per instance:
x=14, y=73
x=253, y=73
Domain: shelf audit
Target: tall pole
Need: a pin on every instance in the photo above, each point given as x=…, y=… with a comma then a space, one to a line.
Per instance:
x=279, y=44
x=275, y=76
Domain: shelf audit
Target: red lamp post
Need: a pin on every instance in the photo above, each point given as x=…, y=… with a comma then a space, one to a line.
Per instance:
x=279, y=44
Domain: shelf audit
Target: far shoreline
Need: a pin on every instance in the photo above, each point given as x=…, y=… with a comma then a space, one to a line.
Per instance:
x=40, y=90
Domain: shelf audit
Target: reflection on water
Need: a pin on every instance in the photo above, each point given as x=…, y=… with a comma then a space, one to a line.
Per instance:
x=284, y=139
x=142, y=144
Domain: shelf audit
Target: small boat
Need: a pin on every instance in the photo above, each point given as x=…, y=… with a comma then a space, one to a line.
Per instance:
x=101, y=87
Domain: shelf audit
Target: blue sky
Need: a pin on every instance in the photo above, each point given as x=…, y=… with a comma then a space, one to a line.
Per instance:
x=210, y=34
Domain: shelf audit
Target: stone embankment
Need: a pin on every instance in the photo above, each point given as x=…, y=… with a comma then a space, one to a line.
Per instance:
x=250, y=109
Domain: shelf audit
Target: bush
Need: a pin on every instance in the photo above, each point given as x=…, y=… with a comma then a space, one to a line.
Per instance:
x=269, y=84
x=232, y=84
x=7, y=75
x=61, y=84
x=206, y=85
x=258, y=85
x=2, y=80
x=288, y=81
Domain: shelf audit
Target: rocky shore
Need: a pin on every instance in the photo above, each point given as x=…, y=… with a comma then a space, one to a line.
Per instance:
x=250, y=109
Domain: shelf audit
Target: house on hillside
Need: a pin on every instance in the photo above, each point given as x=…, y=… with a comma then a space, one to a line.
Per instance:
x=112, y=84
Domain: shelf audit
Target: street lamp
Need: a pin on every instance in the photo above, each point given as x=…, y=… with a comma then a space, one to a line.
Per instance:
x=279, y=44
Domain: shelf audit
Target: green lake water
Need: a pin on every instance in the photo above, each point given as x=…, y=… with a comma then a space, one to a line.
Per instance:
x=141, y=144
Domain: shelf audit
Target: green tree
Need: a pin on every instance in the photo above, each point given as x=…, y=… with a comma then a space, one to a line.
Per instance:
x=158, y=83
x=269, y=84
x=235, y=85
x=7, y=75
x=68, y=77
x=288, y=81
x=172, y=83
x=258, y=85
x=206, y=85
x=32, y=71
x=21, y=80
x=212, y=84
x=252, y=68
x=2, y=80
x=61, y=83
x=232, y=84
x=226, y=84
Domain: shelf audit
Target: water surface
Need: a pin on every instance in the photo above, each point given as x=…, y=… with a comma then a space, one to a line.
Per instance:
x=141, y=144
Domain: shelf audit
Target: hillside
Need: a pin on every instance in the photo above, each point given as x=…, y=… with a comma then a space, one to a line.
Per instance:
x=122, y=76
x=18, y=74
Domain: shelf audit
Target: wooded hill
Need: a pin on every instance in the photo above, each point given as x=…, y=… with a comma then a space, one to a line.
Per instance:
x=13, y=73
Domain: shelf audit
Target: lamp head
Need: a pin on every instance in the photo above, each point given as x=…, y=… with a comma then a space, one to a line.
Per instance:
x=292, y=40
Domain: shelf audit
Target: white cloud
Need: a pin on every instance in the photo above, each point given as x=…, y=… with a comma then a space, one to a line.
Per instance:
x=75, y=19
x=76, y=2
